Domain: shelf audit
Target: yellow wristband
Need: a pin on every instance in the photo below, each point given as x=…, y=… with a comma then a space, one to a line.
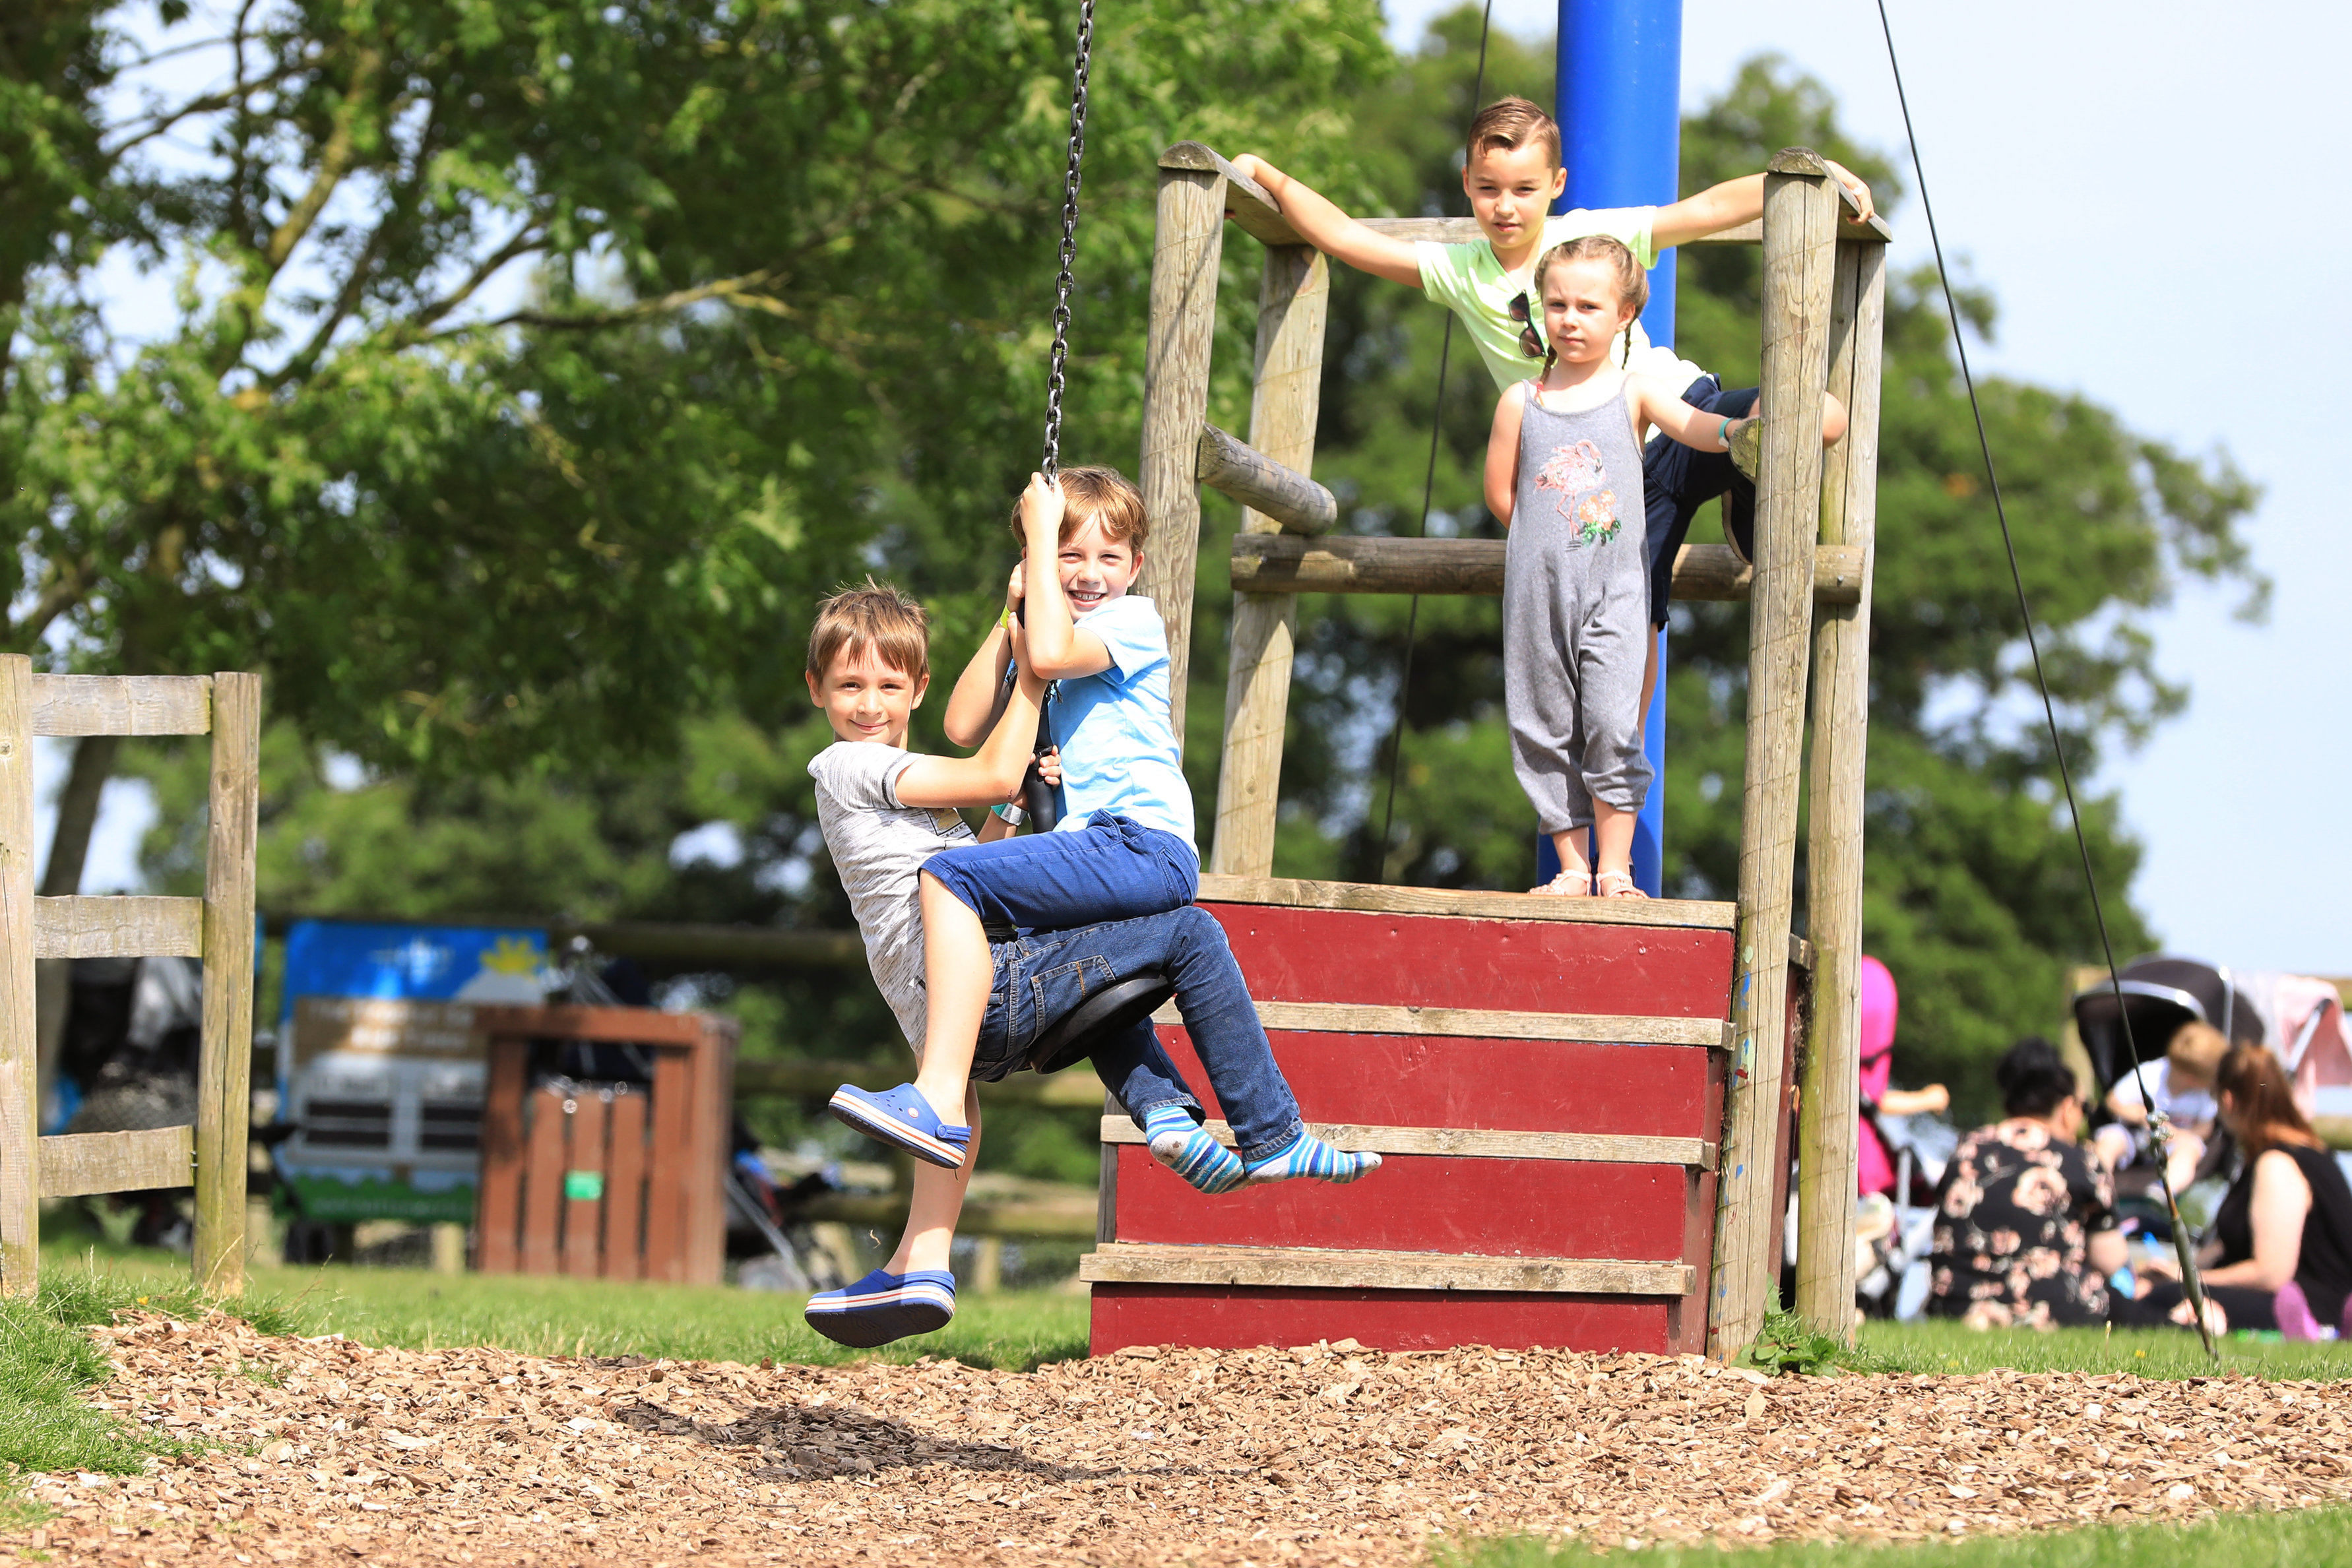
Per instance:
x=1004, y=621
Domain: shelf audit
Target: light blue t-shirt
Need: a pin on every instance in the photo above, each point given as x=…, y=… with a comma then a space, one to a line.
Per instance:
x=1118, y=752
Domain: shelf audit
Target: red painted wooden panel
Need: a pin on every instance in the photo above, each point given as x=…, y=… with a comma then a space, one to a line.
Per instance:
x=1519, y=1085
x=624, y=1190
x=1440, y=961
x=542, y=1188
x=583, y=1242
x=1236, y=1318
x=1422, y=1203
x=497, y=1211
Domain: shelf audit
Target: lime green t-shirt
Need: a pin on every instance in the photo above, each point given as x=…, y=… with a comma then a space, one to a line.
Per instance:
x=1469, y=281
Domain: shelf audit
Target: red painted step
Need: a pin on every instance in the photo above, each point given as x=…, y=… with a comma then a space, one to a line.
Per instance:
x=1425, y=1203
x=1517, y=1085
x=1233, y=1318
x=1511, y=966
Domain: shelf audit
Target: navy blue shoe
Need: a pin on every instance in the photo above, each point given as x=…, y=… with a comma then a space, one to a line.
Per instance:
x=903, y=1118
x=883, y=1307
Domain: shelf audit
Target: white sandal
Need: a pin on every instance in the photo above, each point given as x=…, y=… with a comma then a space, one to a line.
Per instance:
x=1568, y=884
x=1624, y=887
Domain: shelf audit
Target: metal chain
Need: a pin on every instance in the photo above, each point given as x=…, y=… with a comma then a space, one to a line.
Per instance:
x=1062, y=284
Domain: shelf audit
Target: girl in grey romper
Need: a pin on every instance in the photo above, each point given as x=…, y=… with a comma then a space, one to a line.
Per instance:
x=1576, y=612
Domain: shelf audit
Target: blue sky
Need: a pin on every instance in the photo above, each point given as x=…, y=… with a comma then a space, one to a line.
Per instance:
x=2145, y=188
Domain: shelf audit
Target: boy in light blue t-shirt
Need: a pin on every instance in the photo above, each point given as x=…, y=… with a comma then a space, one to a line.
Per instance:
x=1123, y=848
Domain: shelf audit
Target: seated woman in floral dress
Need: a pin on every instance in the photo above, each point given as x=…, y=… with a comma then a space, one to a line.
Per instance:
x=2026, y=1228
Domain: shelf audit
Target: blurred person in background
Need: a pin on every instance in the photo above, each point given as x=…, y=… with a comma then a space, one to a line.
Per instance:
x=2025, y=1227
x=1874, y=1156
x=2279, y=1255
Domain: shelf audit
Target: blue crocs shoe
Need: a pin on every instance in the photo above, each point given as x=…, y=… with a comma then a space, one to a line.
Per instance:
x=883, y=1307
x=901, y=1116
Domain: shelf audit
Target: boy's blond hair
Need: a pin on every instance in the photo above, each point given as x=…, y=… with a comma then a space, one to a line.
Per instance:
x=876, y=615
x=1511, y=122
x=2197, y=1050
x=1102, y=494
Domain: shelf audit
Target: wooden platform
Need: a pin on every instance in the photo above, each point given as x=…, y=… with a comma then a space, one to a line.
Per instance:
x=1544, y=1078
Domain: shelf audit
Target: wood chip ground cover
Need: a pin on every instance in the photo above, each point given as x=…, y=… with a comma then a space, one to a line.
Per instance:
x=331, y=1452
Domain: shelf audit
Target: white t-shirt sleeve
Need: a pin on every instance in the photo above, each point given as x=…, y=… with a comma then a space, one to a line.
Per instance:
x=861, y=775
x=1132, y=631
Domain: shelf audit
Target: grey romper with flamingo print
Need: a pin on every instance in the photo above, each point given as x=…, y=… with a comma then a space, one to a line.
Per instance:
x=1576, y=613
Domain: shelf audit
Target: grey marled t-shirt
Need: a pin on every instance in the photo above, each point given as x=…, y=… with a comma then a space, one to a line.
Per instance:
x=878, y=846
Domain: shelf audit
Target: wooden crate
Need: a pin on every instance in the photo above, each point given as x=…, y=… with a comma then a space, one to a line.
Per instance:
x=626, y=1184
x=1545, y=1080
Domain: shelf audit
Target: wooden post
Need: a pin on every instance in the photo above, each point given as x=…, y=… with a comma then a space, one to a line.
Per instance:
x=1827, y=1123
x=20, y=1171
x=1292, y=307
x=1801, y=210
x=1187, y=247
x=225, y=1063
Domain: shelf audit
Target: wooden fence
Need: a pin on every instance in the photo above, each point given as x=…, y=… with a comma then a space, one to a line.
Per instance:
x=218, y=928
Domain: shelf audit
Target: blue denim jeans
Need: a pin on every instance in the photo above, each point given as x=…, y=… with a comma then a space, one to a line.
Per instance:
x=1678, y=480
x=1039, y=978
x=1114, y=868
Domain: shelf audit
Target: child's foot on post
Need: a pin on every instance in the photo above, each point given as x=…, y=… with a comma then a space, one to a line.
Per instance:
x=1617, y=884
x=1748, y=448
x=1184, y=1146
x=902, y=1118
x=1307, y=1155
x=1568, y=884
x=883, y=1307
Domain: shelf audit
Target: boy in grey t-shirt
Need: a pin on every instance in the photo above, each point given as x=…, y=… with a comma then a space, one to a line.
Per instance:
x=885, y=813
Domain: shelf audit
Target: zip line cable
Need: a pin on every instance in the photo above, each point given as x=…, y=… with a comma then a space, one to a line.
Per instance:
x=2192, y=1284
x=1428, y=487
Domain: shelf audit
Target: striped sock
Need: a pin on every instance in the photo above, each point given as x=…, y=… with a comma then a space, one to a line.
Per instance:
x=1310, y=1156
x=1182, y=1145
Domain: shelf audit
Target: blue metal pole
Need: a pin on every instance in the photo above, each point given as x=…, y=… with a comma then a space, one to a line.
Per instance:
x=1619, y=113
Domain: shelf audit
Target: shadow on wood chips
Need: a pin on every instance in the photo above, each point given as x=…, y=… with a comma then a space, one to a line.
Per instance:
x=325, y=1451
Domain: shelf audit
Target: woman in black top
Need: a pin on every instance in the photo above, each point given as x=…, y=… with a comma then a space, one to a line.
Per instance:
x=2282, y=1241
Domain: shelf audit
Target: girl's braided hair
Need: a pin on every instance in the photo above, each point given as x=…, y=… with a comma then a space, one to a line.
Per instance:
x=1632, y=283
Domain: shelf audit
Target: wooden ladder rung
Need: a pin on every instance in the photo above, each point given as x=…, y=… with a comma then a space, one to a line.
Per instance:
x=1475, y=1142
x=1232, y=467
x=118, y=928
x=1159, y=1263
x=1289, y=563
x=77, y=1163
x=122, y=704
x=1474, y=1023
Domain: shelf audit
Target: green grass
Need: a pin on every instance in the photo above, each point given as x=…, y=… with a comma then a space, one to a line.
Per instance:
x=2313, y=1536
x=1951, y=1347
x=47, y=1362
x=418, y=1309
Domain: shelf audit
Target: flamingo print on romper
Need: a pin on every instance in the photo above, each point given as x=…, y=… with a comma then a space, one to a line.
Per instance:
x=1573, y=469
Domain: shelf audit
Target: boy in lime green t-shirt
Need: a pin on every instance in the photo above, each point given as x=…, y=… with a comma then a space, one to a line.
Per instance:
x=1512, y=175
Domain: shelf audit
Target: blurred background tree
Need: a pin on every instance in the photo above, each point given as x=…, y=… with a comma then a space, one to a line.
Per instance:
x=531, y=580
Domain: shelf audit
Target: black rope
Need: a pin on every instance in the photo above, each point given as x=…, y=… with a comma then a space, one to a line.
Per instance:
x=2191, y=1280
x=1428, y=488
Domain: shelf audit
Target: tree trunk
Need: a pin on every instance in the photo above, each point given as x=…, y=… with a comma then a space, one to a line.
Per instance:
x=93, y=762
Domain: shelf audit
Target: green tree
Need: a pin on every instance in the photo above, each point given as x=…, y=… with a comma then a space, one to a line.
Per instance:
x=534, y=364
x=538, y=563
